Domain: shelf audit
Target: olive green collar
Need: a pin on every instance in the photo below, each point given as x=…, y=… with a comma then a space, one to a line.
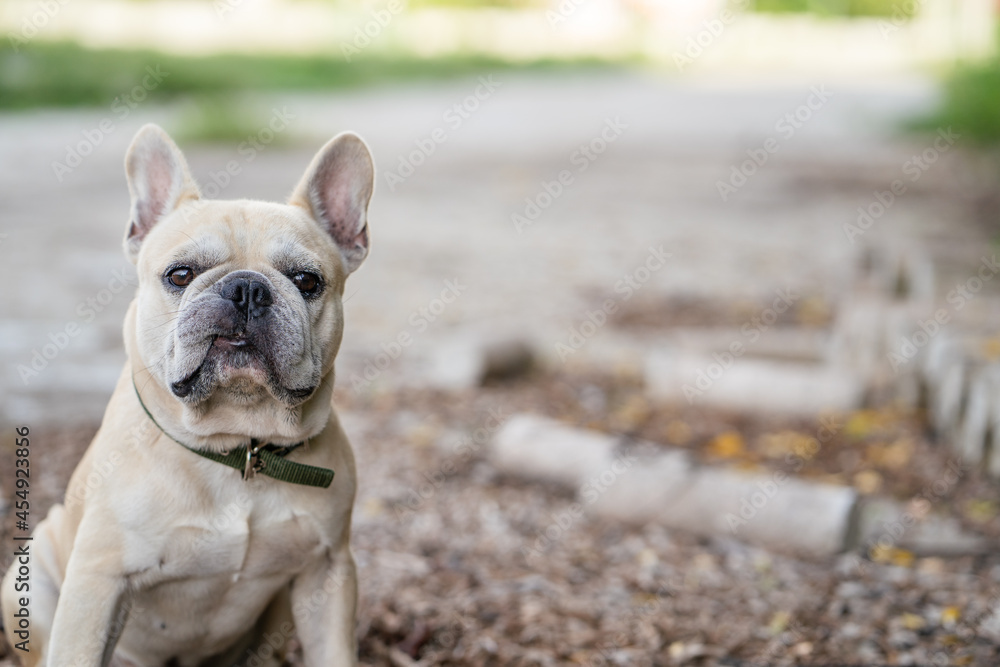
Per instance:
x=267, y=459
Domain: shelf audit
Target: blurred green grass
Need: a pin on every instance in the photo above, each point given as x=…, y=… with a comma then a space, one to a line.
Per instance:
x=971, y=103
x=47, y=74
x=884, y=8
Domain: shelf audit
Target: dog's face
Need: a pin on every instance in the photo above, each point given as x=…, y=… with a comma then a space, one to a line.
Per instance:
x=240, y=301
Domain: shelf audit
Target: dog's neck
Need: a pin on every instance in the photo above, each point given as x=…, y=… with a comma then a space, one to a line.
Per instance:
x=225, y=421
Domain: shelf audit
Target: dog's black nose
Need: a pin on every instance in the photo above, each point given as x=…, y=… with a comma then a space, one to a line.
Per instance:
x=251, y=297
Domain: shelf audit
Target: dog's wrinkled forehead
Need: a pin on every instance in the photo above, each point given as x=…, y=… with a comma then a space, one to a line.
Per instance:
x=242, y=235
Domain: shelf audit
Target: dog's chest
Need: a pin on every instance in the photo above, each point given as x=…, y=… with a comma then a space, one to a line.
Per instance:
x=210, y=570
x=243, y=537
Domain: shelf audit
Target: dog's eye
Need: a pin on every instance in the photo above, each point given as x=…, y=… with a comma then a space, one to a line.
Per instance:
x=307, y=283
x=181, y=276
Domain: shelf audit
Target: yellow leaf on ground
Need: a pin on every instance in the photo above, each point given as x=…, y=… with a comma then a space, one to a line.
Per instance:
x=950, y=616
x=813, y=311
x=912, y=621
x=779, y=622
x=728, y=445
x=893, y=456
x=867, y=482
x=891, y=555
x=991, y=348
x=423, y=435
x=631, y=414
x=898, y=454
x=677, y=433
x=902, y=558
x=931, y=565
x=780, y=444
x=861, y=423
x=980, y=511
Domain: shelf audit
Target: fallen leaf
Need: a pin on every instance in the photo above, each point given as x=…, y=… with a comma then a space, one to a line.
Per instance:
x=728, y=445
x=991, y=348
x=423, y=435
x=677, y=433
x=867, y=482
x=631, y=414
x=861, y=423
x=950, y=616
x=980, y=511
x=898, y=454
x=892, y=456
x=813, y=311
x=931, y=565
x=891, y=555
x=912, y=621
x=781, y=444
x=779, y=622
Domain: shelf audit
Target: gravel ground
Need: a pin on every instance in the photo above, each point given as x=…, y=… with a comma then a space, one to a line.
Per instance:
x=463, y=566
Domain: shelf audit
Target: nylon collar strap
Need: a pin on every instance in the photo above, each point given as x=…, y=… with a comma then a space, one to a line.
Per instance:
x=265, y=459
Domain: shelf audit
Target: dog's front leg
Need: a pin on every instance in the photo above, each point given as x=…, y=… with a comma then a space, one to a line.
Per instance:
x=90, y=612
x=324, y=600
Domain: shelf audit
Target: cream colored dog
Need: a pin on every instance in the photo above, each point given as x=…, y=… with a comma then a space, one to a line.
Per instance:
x=161, y=556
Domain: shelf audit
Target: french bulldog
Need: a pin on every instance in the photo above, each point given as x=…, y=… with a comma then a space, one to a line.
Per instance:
x=201, y=526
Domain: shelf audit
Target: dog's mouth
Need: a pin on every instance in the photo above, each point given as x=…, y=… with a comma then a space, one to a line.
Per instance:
x=237, y=361
x=183, y=388
x=237, y=341
x=233, y=352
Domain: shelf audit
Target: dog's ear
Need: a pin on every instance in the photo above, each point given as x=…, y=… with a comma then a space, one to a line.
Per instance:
x=336, y=189
x=158, y=181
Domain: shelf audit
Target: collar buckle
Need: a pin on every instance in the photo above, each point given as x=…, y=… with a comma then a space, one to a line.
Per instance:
x=254, y=464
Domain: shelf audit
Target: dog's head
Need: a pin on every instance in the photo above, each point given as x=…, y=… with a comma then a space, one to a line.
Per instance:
x=239, y=308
